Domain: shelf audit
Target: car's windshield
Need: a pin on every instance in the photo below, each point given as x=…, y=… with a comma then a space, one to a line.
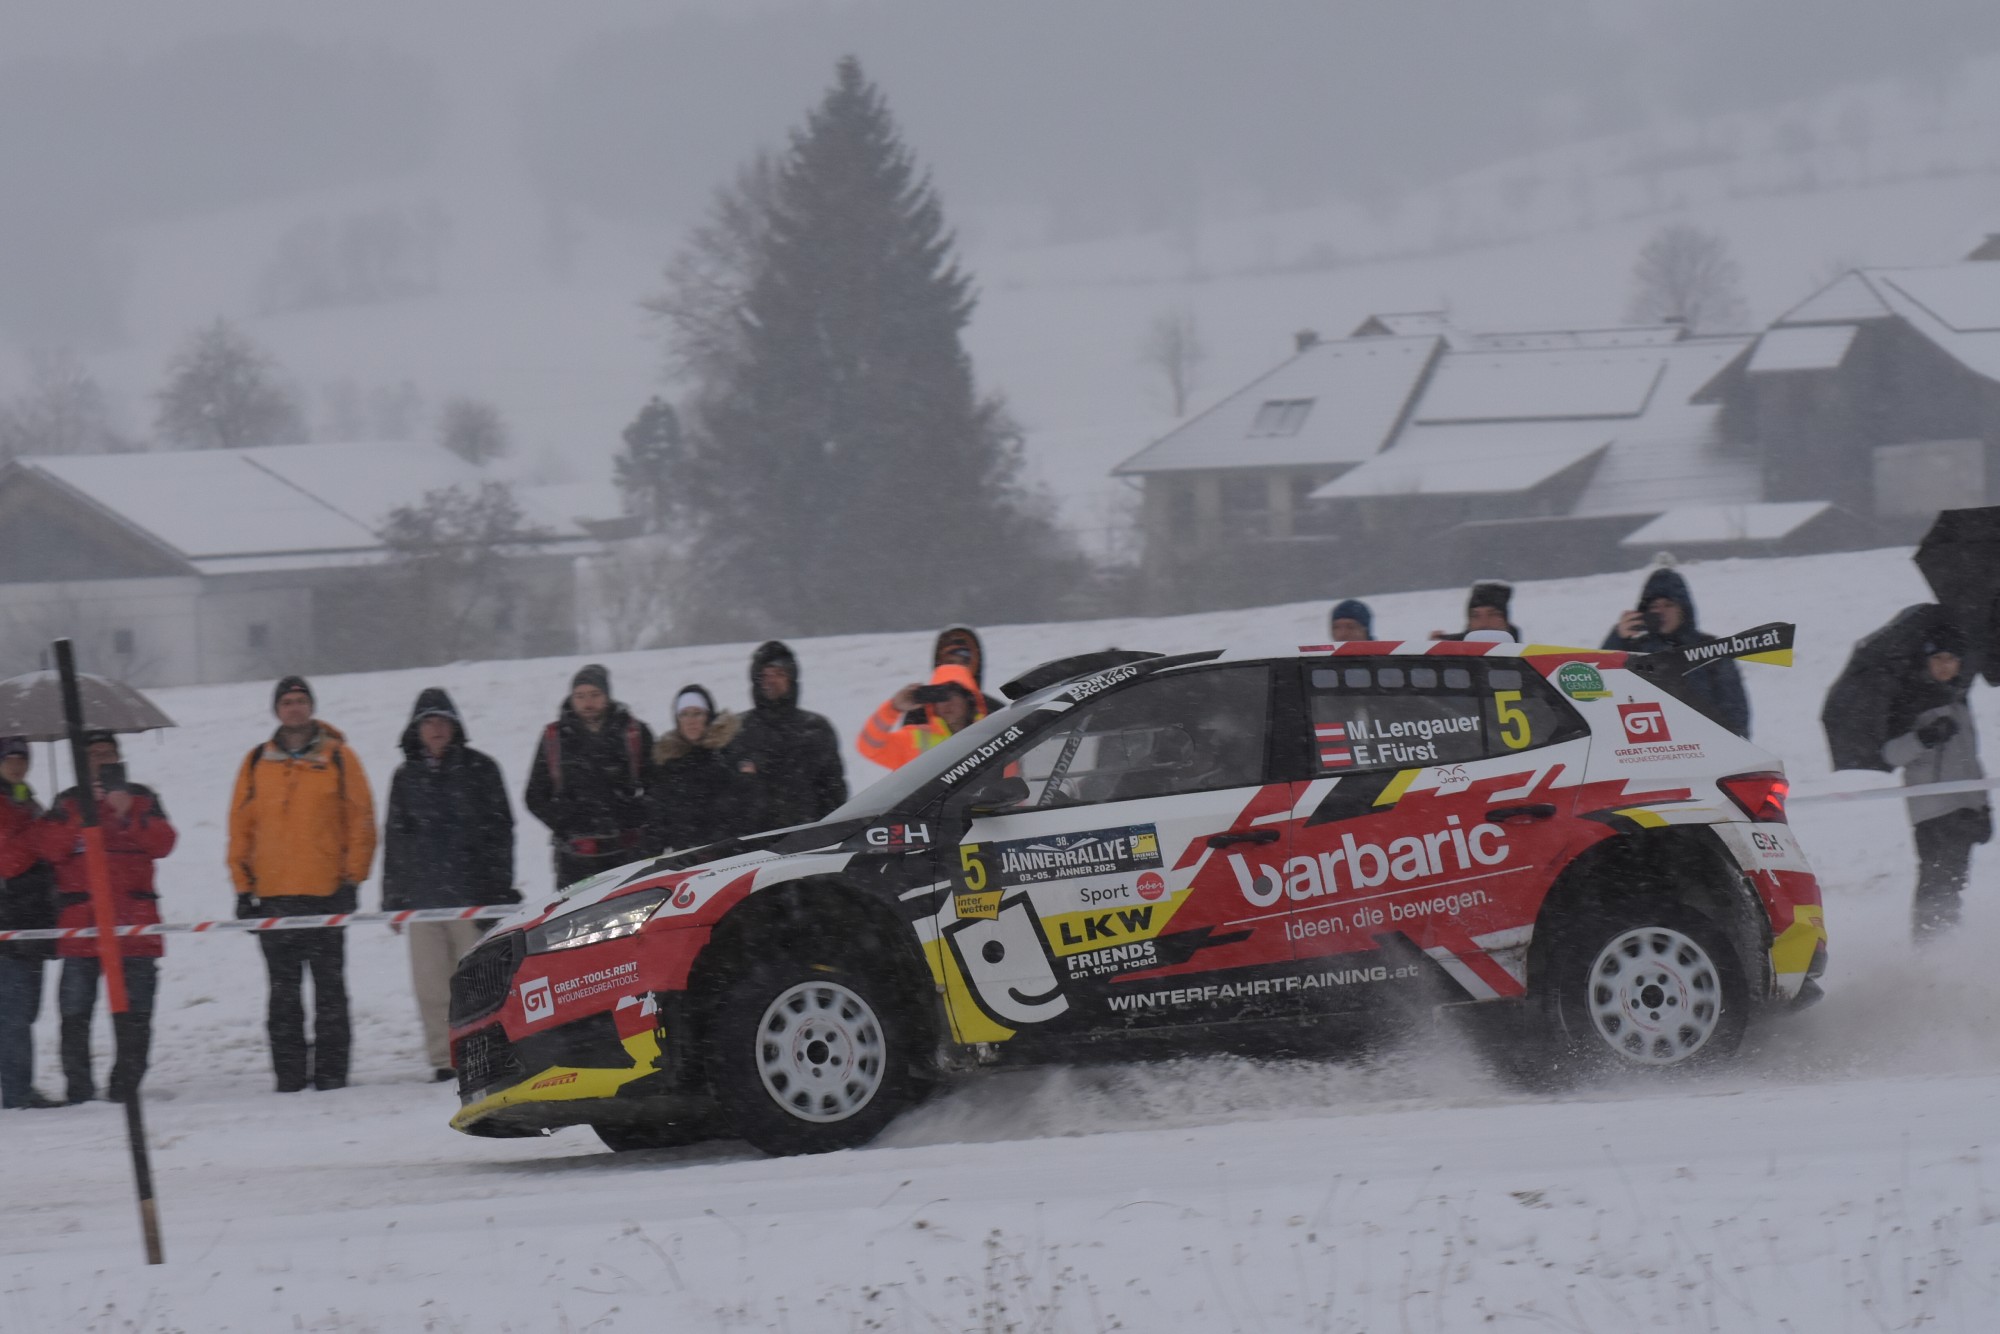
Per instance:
x=897, y=786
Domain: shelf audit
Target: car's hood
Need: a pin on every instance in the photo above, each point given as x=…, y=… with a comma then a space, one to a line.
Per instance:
x=697, y=868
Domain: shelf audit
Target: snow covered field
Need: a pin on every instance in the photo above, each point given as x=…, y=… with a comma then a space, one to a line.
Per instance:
x=1833, y=1180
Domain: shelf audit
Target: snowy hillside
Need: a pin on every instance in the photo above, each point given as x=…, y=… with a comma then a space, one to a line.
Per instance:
x=1834, y=1180
x=1874, y=174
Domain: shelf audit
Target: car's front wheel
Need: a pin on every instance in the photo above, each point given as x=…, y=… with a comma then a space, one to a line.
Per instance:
x=808, y=1057
x=1648, y=989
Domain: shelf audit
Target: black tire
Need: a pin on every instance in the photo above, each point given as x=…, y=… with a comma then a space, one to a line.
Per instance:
x=1644, y=990
x=809, y=1057
x=633, y=1138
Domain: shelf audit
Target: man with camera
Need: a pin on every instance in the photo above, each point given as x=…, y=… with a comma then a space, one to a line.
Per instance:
x=136, y=834
x=1664, y=619
x=918, y=717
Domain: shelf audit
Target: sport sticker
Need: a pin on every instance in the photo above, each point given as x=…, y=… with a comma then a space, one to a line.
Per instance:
x=1035, y=861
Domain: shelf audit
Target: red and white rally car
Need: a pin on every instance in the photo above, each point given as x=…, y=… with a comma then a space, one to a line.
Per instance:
x=1148, y=853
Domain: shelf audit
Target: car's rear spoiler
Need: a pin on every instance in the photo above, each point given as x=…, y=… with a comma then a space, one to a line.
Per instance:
x=1770, y=644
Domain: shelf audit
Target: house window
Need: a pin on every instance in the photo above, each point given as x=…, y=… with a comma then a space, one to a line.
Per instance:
x=260, y=635
x=121, y=643
x=1281, y=416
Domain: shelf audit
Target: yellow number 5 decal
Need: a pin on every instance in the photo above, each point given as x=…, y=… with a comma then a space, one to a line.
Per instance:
x=1513, y=719
x=972, y=898
x=973, y=868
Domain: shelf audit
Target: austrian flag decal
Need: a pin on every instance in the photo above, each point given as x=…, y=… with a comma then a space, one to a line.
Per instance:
x=1332, y=752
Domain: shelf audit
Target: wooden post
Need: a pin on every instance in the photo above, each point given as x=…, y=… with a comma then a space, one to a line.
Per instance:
x=97, y=873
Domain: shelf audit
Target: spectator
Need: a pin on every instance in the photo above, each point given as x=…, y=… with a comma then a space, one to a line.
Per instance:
x=448, y=842
x=960, y=645
x=587, y=780
x=1664, y=619
x=1486, y=613
x=792, y=756
x=137, y=833
x=1351, y=621
x=950, y=703
x=696, y=794
x=301, y=839
x=27, y=903
x=1932, y=739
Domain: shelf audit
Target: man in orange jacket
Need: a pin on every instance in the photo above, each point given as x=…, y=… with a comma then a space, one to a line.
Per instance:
x=897, y=733
x=301, y=839
x=136, y=834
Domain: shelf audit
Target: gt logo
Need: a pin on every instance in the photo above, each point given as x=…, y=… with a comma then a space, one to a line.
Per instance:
x=1644, y=722
x=537, y=1001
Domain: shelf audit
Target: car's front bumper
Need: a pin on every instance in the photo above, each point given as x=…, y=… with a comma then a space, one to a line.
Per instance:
x=594, y=1069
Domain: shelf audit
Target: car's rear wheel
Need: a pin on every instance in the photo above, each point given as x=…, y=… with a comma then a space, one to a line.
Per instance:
x=1648, y=989
x=808, y=1057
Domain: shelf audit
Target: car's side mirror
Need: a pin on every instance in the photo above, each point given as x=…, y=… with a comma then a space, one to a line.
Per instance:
x=997, y=795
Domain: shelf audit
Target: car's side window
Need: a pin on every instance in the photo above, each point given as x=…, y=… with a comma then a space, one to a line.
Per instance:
x=1390, y=714
x=1192, y=731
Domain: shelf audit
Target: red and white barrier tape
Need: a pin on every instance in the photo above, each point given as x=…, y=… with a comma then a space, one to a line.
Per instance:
x=266, y=923
x=1898, y=793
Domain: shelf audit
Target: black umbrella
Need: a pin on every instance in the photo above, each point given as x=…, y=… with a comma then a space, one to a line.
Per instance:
x=32, y=706
x=1960, y=557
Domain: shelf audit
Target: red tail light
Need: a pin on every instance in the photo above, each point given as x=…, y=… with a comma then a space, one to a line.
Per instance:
x=1762, y=796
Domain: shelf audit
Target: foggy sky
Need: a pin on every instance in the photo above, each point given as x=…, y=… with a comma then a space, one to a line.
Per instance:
x=1107, y=115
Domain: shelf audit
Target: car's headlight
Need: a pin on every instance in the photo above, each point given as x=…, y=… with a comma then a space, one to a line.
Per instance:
x=606, y=921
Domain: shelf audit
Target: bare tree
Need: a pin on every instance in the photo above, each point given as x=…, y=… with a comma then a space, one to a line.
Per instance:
x=474, y=430
x=62, y=411
x=455, y=546
x=701, y=309
x=224, y=392
x=1173, y=347
x=1687, y=275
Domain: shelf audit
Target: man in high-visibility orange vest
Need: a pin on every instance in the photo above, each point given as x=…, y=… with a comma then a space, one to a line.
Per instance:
x=950, y=703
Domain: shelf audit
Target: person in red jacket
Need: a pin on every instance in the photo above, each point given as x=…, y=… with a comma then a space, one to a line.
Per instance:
x=136, y=834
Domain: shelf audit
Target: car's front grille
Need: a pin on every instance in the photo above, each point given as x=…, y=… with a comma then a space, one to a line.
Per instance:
x=486, y=1058
x=479, y=987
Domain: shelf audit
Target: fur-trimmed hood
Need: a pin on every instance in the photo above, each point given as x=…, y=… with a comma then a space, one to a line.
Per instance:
x=722, y=730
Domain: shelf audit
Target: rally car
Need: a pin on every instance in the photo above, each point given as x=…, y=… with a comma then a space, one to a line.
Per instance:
x=1147, y=852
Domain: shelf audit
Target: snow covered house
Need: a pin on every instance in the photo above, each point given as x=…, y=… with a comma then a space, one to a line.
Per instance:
x=226, y=565
x=1413, y=453
x=1879, y=393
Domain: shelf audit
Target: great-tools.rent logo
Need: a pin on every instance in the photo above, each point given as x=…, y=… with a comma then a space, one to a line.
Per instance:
x=537, y=1001
x=1580, y=680
x=1645, y=724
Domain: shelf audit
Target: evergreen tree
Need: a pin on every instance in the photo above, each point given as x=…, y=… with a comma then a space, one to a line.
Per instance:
x=643, y=468
x=844, y=471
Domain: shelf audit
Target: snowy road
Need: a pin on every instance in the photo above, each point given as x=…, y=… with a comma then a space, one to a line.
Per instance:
x=1835, y=1180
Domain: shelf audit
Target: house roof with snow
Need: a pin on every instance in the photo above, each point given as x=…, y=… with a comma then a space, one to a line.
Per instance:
x=1336, y=402
x=1414, y=406
x=1956, y=307
x=268, y=508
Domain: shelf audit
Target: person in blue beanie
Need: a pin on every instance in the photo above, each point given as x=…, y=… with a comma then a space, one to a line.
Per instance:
x=1351, y=620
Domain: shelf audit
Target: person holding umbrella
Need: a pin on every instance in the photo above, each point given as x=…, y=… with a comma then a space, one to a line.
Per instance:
x=1933, y=739
x=137, y=833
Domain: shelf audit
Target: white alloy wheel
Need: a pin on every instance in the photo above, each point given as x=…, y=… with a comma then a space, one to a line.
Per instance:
x=1655, y=996
x=820, y=1052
